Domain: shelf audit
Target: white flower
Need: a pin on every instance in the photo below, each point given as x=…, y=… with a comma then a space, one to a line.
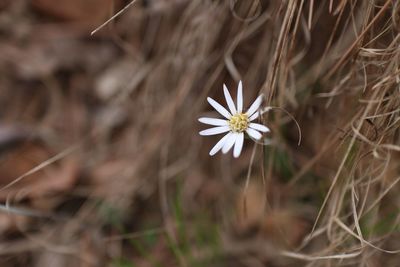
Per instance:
x=236, y=123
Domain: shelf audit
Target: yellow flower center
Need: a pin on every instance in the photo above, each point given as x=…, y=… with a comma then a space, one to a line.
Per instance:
x=239, y=122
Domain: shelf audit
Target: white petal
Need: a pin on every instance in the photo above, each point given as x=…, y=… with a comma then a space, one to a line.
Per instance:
x=229, y=100
x=213, y=121
x=253, y=133
x=219, y=108
x=215, y=130
x=255, y=106
x=240, y=97
x=238, y=145
x=259, y=127
x=254, y=116
x=219, y=145
x=229, y=143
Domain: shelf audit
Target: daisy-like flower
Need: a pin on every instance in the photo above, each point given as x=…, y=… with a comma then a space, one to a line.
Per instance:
x=237, y=122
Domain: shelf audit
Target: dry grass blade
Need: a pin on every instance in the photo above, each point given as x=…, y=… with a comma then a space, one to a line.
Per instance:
x=317, y=258
x=42, y=166
x=113, y=17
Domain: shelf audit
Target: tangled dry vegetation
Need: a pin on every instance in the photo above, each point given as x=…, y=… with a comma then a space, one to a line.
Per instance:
x=100, y=159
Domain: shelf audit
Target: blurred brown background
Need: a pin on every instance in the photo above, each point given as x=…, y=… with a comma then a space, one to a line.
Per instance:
x=101, y=163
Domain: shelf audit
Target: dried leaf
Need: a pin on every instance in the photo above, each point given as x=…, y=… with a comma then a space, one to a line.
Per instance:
x=86, y=13
x=18, y=160
x=251, y=206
